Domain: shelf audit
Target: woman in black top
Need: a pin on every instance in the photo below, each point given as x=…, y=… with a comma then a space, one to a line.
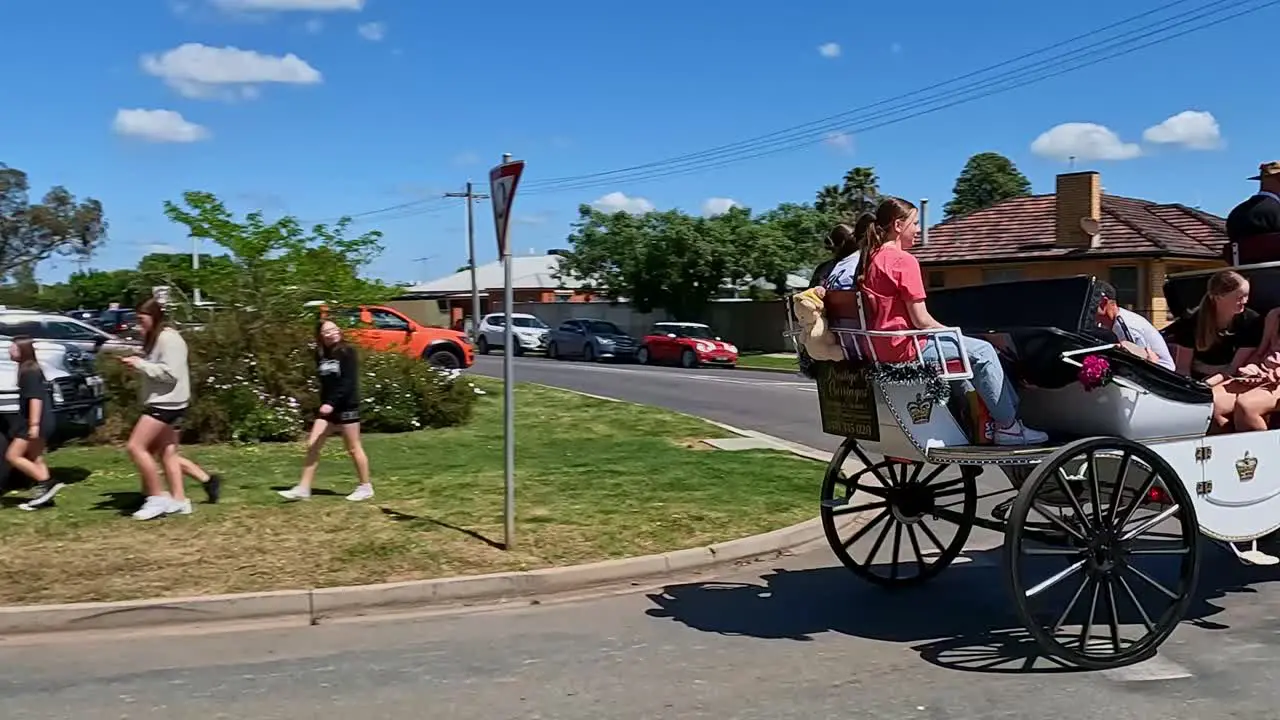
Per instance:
x=1216, y=339
x=338, y=370
x=33, y=424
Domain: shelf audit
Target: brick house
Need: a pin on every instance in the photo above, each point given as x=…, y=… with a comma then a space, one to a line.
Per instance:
x=1132, y=244
x=447, y=301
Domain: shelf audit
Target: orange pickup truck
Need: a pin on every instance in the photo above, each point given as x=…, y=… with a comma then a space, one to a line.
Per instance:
x=381, y=328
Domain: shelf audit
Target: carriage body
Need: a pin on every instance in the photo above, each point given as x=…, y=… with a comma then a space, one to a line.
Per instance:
x=1211, y=486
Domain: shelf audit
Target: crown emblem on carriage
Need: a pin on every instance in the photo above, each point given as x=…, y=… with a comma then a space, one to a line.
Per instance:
x=1246, y=467
x=920, y=409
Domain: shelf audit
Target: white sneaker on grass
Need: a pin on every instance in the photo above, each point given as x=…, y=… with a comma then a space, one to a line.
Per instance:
x=295, y=493
x=363, y=492
x=154, y=507
x=179, y=507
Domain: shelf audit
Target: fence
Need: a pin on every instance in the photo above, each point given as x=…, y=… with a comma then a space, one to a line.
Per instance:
x=751, y=325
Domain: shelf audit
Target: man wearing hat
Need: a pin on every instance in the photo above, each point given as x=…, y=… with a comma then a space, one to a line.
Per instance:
x=1257, y=216
x=1134, y=332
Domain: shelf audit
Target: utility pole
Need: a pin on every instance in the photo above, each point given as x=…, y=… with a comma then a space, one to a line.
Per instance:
x=471, y=195
x=195, y=265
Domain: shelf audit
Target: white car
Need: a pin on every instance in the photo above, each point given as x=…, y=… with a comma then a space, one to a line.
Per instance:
x=57, y=328
x=531, y=334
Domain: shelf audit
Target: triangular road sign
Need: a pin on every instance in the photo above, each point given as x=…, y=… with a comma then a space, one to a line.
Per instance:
x=503, y=180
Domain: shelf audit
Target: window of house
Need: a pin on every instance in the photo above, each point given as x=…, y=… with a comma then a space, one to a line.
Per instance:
x=937, y=279
x=997, y=275
x=1124, y=278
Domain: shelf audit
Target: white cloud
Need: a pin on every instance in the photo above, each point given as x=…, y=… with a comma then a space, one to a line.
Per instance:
x=161, y=126
x=373, y=31
x=203, y=72
x=839, y=141
x=618, y=202
x=1191, y=129
x=292, y=5
x=314, y=26
x=1083, y=141
x=829, y=50
x=717, y=206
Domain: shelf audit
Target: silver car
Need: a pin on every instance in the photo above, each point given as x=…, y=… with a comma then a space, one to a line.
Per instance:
x=62, y=329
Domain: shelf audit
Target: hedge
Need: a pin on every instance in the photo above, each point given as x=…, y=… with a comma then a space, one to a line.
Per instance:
x=251, y=388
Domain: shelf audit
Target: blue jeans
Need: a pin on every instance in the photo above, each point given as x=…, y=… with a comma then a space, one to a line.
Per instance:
x=988, y=376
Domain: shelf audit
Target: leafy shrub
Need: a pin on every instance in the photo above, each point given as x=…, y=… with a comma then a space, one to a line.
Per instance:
x=261, y=387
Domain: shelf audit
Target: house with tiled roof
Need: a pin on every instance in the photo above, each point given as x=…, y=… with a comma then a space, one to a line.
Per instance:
x=1132, y=244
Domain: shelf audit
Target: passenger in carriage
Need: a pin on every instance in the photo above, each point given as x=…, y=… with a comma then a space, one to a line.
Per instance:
x=1218, y=338
x=1134, y=332
x=846, y=240
x=893, y=289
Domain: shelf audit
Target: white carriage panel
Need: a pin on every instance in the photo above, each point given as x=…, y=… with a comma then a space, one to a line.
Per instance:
x=911, y=424
x=1111, y=410
x=1239, y=498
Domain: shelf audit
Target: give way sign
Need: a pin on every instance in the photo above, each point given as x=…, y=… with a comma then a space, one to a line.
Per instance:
x=503, y=180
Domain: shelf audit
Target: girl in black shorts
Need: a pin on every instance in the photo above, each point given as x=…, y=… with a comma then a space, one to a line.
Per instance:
x=33, y=424
x=338, y=370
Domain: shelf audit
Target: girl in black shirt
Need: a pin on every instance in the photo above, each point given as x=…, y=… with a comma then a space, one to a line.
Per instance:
x=1216, y=339
x=33, y=424
x=338, y=371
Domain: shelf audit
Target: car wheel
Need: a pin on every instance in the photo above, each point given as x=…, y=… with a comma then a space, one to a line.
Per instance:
x=553, y=352
x=444, y=359
x=588, y=353
x=642, y=357
x=688, y=359
x=482, y=346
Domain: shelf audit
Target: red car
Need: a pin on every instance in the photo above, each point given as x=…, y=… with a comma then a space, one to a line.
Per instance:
x=689, y=344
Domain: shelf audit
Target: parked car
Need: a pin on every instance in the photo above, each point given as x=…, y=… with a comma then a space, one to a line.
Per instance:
x=75, y=387
x=119, y=322
x=531, y=334
x=62, y=329
x=590, y=340
x=381, y=328
x=689, y=344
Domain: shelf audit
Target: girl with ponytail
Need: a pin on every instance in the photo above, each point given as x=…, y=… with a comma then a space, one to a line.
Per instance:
x=892, y=288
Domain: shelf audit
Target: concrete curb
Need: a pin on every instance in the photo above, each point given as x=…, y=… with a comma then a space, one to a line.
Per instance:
x=310, y=607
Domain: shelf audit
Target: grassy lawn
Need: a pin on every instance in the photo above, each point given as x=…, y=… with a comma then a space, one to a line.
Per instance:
x=595, y=480
x=768, y=362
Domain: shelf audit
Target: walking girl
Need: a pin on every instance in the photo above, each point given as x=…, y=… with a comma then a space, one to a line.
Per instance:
x=338, y=370
x=166, y=394
x=34, y=425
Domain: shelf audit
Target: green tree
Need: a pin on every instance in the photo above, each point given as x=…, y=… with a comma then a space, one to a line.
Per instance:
x=791, y=238
x=987, y=178
x=96, y=289
x=57, y=225
x=859, y=192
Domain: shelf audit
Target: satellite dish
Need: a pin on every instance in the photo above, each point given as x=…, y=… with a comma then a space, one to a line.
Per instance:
x=1090, y=226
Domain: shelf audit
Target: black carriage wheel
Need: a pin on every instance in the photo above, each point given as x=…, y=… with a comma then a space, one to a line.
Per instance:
x=1106, y=522
x=899, y=497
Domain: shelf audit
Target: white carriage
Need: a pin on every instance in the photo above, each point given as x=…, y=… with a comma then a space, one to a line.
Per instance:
x=1106, y=520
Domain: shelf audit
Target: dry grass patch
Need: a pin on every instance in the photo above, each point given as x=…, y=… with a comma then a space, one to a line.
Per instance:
x=595, y=480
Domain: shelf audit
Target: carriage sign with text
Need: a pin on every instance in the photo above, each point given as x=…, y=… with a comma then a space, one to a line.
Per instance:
x=1103, y=526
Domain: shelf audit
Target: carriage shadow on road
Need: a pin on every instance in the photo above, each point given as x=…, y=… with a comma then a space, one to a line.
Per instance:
x=962, y=620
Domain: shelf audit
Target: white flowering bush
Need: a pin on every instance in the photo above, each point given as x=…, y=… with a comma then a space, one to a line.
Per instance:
x=264, y=389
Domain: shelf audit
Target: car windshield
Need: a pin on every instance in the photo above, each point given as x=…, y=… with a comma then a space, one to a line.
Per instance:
x=600, y=327
x=528, y=322
x=699, y=332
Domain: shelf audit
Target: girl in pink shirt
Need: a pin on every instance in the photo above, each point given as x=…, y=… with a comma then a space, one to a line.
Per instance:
x=894, y=299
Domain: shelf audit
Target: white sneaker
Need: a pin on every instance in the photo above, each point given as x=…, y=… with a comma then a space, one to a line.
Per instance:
x=363, y=492
x=1019, y=434
x=154, y=507
x=176, y=507
x=295, y=493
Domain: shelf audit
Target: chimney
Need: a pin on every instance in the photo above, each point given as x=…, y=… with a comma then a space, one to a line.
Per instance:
x=924, y=221
x=1078, y=196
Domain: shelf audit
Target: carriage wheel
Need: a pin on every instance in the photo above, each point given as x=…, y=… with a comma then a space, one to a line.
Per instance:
x=1121, y=568
x=900, y=497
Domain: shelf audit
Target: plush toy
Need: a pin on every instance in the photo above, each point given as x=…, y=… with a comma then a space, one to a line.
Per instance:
x=818, y=341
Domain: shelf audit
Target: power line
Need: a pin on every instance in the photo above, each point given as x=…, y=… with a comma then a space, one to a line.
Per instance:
x=1010, y=81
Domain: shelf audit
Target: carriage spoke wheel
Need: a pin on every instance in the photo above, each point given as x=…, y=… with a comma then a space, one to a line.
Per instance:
x=1117, y=576
x=880, y=519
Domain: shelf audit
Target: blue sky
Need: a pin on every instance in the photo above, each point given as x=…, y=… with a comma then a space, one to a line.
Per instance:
x=343, y=110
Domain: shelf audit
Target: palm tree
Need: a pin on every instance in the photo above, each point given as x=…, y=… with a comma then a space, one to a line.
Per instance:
x=831, y=199
x=862, y=190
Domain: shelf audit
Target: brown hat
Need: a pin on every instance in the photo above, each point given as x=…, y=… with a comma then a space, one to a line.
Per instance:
x=1266, y=169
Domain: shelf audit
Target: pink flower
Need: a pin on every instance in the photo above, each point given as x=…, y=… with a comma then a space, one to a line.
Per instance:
x=1095, y=372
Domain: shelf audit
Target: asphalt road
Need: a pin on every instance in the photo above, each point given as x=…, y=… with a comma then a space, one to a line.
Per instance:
x=796, y=638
